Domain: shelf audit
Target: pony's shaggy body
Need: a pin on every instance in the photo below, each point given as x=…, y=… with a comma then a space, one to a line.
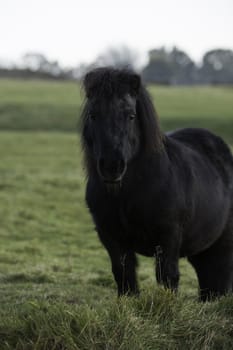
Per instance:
x=176, y=193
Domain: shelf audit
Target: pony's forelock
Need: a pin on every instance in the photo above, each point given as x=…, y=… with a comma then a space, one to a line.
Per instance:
x=107, y=82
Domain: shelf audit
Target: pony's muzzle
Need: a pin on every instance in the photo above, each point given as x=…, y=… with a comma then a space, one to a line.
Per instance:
x=111, y=170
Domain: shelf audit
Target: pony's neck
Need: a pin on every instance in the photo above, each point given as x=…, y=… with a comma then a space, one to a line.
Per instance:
x=148, y=165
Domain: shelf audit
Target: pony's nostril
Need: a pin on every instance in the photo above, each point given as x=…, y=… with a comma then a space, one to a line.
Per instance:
x=101, y=167
x=101, y=163
x=121, y=165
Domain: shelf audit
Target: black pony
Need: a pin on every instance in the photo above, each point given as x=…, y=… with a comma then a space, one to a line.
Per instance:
x=163, y=195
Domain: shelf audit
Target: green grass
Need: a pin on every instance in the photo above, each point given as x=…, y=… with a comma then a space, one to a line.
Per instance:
x=39, y=105
x=205, y=107
x=57, y=290
x=56, y=286
x=45, y=105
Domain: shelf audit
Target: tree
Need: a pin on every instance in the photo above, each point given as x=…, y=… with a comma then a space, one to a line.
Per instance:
x=217, y=67
x=183, y=68
x=122, y=57
x=34, y=61
x=37, y=62
x=169, y=67
x=158, y=69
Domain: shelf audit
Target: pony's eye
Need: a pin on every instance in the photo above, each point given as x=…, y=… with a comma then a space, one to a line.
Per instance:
x=132, y=116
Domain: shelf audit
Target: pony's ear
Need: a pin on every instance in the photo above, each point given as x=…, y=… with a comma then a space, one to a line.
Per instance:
x=89, y=83
x=134, y=83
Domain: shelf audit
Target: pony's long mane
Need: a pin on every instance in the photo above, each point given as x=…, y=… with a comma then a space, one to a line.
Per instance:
x=104, y=83
x=152, y=137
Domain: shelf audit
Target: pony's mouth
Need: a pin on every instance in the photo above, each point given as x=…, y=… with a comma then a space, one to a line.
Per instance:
x=113, y=187
x=112, y=182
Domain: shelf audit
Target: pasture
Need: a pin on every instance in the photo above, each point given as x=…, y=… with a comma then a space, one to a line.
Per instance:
x=57, y=290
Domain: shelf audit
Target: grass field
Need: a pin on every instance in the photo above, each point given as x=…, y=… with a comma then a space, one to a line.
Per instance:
x=57, y=290
x=40, y=105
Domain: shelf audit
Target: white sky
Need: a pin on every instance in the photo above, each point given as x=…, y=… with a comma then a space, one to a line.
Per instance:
x=75, y=31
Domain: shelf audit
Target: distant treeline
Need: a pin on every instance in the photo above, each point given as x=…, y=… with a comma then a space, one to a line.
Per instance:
x=168, y=67
x=175, y=67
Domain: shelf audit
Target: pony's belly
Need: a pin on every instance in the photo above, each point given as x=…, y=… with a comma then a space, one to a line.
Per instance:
x=143, y=240
x=145, y=251
x=144, y=231
x=146, y=247
x=200, y=241
x=200, y=237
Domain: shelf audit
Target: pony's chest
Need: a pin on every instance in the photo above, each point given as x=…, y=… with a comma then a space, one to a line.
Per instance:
x=143, y=213
x=134, y=218
x=142, y=227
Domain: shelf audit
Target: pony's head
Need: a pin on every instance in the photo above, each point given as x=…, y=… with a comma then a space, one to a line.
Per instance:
x=118, y=121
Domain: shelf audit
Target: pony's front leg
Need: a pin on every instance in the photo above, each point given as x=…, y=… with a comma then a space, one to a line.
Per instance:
x=124, y=271
x=124, y=265
x=167, y=270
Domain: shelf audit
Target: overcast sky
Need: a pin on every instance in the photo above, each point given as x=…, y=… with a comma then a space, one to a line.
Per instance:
x=75, y=31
